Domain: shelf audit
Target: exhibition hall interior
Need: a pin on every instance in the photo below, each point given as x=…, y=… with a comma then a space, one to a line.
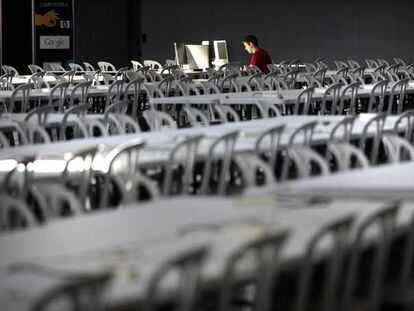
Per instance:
x=222, y=155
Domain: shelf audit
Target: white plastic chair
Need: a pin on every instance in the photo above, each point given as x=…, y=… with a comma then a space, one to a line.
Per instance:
x=188, y=147
x=157, y=120
x=76, y=67
x=136, y=65
x=152, y=64
x=35, y=68
x=88, y=67
x=10, y=69
x=106, y=66
x=229, y=141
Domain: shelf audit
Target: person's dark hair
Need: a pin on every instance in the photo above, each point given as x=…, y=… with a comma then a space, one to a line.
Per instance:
x=252, y=39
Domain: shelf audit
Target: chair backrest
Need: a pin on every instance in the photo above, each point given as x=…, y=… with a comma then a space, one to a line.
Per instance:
x=226, y=113
x=20, y=95
x=228, y=83
x=35, y=68
x=405, y=124
x=379, y=122
x=156, y=120
x=106, y=66
x=188, y=265
x=311, y=80
x=353, y=64
x=397, y=95
x=344, y=128
x=357, y=74
x=132, y=91
x=338, y=233
x=153, y=91
x=10, y=69
x=331, y=94
x=242, y=86
x=229, y=141
x=291, y=78
x=304, y=101
x=69, y=75
x=196, y=117
x=132, y=75
x=310, y=67
x=58, y=78
x=153, y=76
x=57, y=96
x=170, y=62
x=152, y=64
x=377, y=91
x=184, y=153
x=136, y=65
x=371, y=63
x=273, y=68
x=143, y=71
x=114, y=93
x=76, y=67
x=383, y=62
x=349, y=93
x=107, y=78
x=210, y=88
x=305, y=131
x=167, y=69
x=165, y=85
x=38, y=80
x=129, y=149
x=252, y=70
x=400, y=61
x=266, y=252
x=343, y=72
x=178, y=73
x=4, y=141
x=320, y=74
x=258, y=83
x=57, y=67
x=79, y=128
x=88, y=66
x=14, y=213
x=340, y=64
x=384, y=220
x=79, y=292
x=8, y=77
x=5, y=85
x=41, y=114
x=121, y=74
x=181, y=88
x=267, y=144
x=397, y=149
x=80, y=92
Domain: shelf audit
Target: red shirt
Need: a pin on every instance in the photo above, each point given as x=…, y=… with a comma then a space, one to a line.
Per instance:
x=261, y=59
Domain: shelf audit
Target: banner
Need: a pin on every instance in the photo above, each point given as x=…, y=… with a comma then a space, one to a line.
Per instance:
x=53, y=32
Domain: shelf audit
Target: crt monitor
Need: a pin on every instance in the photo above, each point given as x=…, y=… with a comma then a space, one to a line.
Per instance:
x=180, y=54
x=197, y=56
x=220, y=52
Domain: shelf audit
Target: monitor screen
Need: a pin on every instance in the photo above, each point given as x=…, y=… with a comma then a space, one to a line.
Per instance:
x=197, y=56
x=180, y=54
x=220, y=50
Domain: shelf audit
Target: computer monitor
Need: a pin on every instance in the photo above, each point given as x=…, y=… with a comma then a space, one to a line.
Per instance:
x=180, y=54
x=220, y=52
x=197, y=56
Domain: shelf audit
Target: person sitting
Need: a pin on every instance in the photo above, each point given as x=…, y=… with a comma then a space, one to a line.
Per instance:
x=260, y=57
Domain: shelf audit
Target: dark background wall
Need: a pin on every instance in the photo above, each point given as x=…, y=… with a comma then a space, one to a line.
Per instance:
x=288, y=29
x=113, y=30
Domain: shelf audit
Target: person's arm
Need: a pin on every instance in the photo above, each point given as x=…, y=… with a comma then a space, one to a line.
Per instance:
x=253, y=59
